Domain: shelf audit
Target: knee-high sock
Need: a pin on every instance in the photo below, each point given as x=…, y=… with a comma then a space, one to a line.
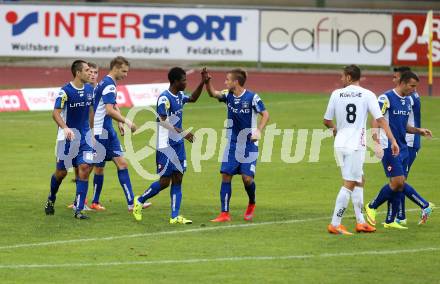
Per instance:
x=124, y=180
x=414, y=196
x=98, y=181
x=384, y=195
x=81, y=193
x=401, y=215
x=357, y=198
x=176, y=199
x=150, y=192
x=393, y=207
x=250, y=190
x=341, y=205
x=225, y=195
x=54, y=186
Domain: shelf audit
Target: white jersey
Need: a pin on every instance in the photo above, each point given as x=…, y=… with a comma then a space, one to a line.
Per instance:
x=350, y=106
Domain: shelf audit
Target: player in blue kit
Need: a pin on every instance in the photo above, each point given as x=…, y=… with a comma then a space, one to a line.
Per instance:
x=412, y=140
x=170, y=149
x=396, y=107
x=108, y=147
x=72, y=111
x=241, y=152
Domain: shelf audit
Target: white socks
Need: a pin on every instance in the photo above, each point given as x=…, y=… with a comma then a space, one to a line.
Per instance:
x=357, y=197
x=341, y=205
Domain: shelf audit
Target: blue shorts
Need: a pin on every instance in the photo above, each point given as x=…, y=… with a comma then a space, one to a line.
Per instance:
x=240, y=160
x=110, y=148
x=72, y=154
x=395, y=166
x=412, y=155
x=171, y=159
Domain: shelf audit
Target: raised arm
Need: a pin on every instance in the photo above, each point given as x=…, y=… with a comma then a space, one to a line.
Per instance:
x=213, y=93
x=198, y=91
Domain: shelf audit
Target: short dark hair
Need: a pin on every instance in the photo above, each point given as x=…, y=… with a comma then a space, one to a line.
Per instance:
x=240, y=75
x=405, y=77
x=92, y=65
x=118, y=61
x=353, y=71
x=176, y=74
x=401, y=69
x=77, y=65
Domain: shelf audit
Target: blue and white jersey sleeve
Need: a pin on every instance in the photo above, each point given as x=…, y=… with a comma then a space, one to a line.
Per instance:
x=185, y=98
x=61, y=99
x=109, y=94
x=384, y=103
x=163, y=106
x=223, y=96
x=257, y=104
x=373, y=108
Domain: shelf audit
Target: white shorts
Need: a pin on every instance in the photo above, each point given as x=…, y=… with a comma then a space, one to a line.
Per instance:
x=351, y=163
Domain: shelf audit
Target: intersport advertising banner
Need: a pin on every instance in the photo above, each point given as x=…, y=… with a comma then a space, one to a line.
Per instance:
x=326, y=38
x=409, y=46
x=134, y=32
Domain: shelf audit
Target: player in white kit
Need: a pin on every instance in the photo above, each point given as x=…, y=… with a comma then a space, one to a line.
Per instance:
x=350, y=107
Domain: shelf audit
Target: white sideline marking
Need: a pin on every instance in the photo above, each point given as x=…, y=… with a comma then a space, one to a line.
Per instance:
x=223, y=259
x=175, y=232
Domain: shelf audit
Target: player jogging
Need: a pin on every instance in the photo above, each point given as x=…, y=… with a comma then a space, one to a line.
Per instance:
x=350, y=107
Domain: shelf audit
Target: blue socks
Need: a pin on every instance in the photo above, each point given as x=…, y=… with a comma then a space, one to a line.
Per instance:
x=54, y=186
x=176, y=199
x=393, y=207
x=384, y=194
x=412, y=194
x=225, y=195
x=81, y=193
x=124, y=180
x=98, y=180
x=150, y=192
x=251, y=192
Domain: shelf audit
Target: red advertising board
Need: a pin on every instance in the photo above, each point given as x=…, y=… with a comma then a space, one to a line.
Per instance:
x=12, y=100
x=409, y=47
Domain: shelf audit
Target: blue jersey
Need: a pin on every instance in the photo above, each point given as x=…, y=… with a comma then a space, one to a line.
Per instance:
x=242, y=114
x=171, y=107
x=75, y=104
x=396, y=110
x=413, y=140
x=104, y=93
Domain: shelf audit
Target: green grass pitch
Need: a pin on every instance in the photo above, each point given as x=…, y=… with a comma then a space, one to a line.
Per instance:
x=286, y=243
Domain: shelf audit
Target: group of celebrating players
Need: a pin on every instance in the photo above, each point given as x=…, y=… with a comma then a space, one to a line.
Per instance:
x=396, y=133
x=84, y=112
x=86, y=139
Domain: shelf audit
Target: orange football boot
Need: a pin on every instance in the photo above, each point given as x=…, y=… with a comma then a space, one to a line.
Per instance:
x=223, y=217
x=365, y=228
x=339, y=230
x=249, y=214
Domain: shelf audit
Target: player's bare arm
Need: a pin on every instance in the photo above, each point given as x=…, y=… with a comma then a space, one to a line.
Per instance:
x=110, y=111
x=382, y=123
x=211, y=91
x=120, y=124
x=183, y=133
x=422, y=131
x=330, y=125
x=256, y=134
x=68, y=133
x=198, y=91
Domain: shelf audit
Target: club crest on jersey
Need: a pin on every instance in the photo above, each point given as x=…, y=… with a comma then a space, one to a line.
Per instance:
x=236, y=100
x=389, y=168
x=245, y=104
x=403, y=102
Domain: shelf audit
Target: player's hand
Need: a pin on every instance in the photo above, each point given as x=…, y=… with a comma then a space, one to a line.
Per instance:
x=68, y=134
x=425, y=132
x=189, y=136
x=205, y=75
x=121, y=128
x=256, y=135
x=395, y=148
x=378, y=151
x=133, y=127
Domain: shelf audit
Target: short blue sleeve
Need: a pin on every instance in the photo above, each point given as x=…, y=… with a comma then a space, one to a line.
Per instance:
x=61, y=99
x=163, y=105
x=109, y=94
x=258, y=104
